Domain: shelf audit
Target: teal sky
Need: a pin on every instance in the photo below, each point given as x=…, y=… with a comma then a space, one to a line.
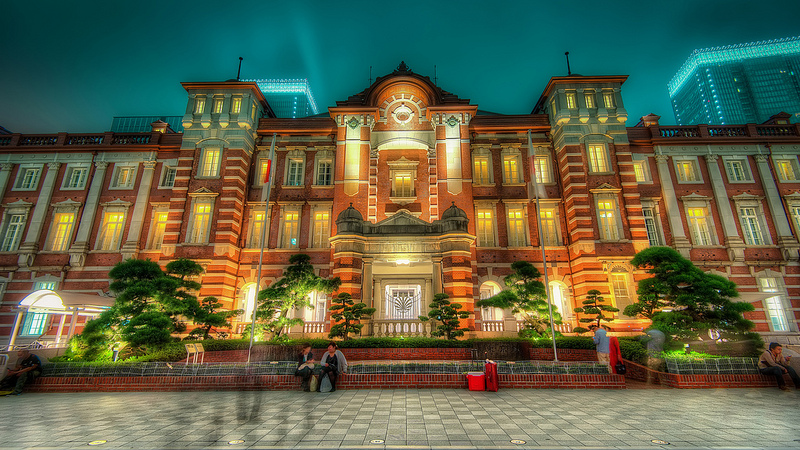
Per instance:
x=72, y=66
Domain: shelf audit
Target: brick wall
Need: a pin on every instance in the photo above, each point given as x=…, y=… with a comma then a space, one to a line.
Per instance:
x=642, y=373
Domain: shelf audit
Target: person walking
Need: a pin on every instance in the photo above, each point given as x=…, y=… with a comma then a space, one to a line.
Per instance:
x=333, y=363
x=772, y=362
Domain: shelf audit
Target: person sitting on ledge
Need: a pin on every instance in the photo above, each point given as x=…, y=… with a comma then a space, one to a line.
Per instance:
x=28, y=367
x=773, y=363
x=305, y=367
x=333, y=363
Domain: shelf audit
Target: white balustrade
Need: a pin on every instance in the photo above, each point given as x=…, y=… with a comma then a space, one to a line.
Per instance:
x=397, y=327
x=492, y=325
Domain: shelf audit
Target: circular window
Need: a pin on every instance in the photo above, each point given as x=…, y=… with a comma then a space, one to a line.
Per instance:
x=403, y=114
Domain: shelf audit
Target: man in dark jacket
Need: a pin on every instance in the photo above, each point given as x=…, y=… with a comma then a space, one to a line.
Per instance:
x=28, y=367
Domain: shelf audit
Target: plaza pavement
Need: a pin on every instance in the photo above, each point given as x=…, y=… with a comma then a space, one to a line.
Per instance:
x=405, y=419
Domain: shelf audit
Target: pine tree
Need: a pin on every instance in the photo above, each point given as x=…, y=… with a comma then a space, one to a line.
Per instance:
x=447, y=316
x=593, y=306
x=348, y=316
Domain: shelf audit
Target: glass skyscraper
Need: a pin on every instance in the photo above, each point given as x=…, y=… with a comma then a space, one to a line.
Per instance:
x=743, y=83
x=288, y=98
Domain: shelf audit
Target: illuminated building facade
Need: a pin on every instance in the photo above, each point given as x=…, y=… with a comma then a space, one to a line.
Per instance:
x=403, y=190
x=290, y=99
x=745, y=83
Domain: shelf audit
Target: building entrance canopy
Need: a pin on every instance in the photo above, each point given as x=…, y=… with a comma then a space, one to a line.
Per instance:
x=48, y=301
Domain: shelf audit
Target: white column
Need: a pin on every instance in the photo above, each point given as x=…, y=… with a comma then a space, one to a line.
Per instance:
x=732, y=240
x=15, y=331
x=60, y=328
x=788, y=244
x=30, y=246
x=679, y=240
x=77, y=251
x=131, y=245
x=5, y=175
x=72, y=324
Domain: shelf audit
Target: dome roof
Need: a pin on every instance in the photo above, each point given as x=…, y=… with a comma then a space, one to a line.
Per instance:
x=454, y=212
x=350, y=214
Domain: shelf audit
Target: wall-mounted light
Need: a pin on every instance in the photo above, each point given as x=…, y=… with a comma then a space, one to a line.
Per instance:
x=403, y=262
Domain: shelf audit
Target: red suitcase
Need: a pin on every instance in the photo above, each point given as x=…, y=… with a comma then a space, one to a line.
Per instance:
x=491, y=376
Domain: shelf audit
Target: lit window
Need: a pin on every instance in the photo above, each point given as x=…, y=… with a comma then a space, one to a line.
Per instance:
x=549, y=227
x=589, y=100
x=698, y=225
x=686, y=171
x=253, y=111
x=652, y=227
x=571, y=101
x=111, y=231
x=294, y=175
x=619, y=284
x=199, y=105
x=485, y=228
x=236, y=105
x=62, y=231
x=403, y=302
x=210, y=162
x=402, y=185
x=640, y=170
x=217, y=106
x=256, y=227
x=542, y=169
x=511, y=173
x=774, y=305
x=322, y=230
x=324, y=172
x=12, y=233
x=75, y=177
x=481, y=170
x=168, y=176
x=516, y=227
x=291, y=229
x=157, y=229
x=28, y=178
x=794, y=211
x=34, y=324
x=317, y=308
x=560, y=298
x=263, y=167
x=598, y=158
x=200, y=221
x=751, y=226
x=124, y=177
x=737, y=170
x=607, y=215
x=608, y=100
x=786, y=169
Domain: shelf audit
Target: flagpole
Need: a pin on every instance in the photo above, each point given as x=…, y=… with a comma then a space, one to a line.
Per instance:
x=532, y=154
x=264, y=198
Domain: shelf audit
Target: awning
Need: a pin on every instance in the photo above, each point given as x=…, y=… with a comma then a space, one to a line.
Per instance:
x=55, y=301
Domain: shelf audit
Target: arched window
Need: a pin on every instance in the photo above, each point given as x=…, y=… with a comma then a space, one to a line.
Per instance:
x=247, y=300
x=559, y=296
x=489, y=314
x=318, y=307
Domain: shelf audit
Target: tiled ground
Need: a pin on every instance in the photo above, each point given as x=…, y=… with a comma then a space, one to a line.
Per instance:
x=448, y=419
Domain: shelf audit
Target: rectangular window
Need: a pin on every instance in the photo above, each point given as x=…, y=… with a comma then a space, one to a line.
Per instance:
x=622, y=297
x=28, y=178
x=698, y=225
x=572, y=102
x=511, y=169
x=34, y=324
x=217, y=106
x=199, y=105
x=549, y=227
x=123, y=178
x=598, y=159
x=403, y=302
x=75, y=178
x=263, y=167
x=48, y=285
x=481, y=170
x=201, y=222
x=111, y=231
x=485, y=228
x=751, y=226
x=325, y=173
x=590, y=100
x=159, y=226
x=640, y=171
x=13, y=232
x=291, y=229
x=236, y=105
x=607, y=213
x=786, y=170
x=210, y=162
x=256, y=226
x=737, y=170
x=794, y=211
x=686, y=171
x=608, y=100
x=651, y=225
x=402, y=185
x=294, y=176
x=322, y=230
x=542, y=169
x=62, y=231
x=516, y=227
x=168, y=176
x=774, y=305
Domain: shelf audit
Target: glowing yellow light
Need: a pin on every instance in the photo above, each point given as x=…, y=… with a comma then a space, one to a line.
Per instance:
x=404, y=262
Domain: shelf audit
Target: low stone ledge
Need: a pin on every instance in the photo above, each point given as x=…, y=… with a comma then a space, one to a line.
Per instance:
x=680, y=381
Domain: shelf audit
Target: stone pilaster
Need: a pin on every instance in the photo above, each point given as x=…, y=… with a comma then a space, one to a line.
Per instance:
x=79, y=248
x=788, y=244
x=131, y=246
x=732, y=240
x=29, y=247
x=679, y=239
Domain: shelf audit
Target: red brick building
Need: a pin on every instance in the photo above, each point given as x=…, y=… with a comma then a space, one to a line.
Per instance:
x=403, y=190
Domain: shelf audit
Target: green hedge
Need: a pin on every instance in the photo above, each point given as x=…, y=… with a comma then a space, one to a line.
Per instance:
x=575, y=342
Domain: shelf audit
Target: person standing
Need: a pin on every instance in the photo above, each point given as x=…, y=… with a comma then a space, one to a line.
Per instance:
x=305, y=367
x=333, y=363
x=601, y=346
x=28, y=367
x=772, y=362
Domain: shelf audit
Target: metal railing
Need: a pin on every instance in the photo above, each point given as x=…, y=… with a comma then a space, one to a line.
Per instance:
x=712, y=366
